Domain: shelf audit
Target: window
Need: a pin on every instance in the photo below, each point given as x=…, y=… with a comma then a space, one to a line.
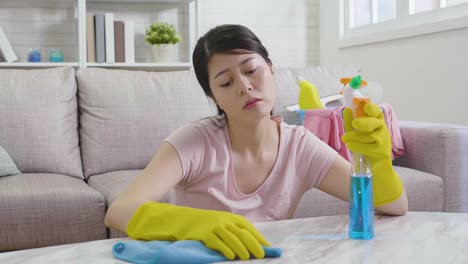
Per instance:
x=365, y=12
x=386, y=10
x=366, y=21
x=418, y=6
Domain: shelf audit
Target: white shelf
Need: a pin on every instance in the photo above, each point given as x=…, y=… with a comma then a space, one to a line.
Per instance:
x=161, y=66
x=75, y=13
x=190, y=37
x=143, y=1
x=37, y=64
x=152, y=66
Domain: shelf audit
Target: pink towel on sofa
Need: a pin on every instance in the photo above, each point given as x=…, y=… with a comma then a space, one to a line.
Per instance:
x=327, y=124
x=398, y=149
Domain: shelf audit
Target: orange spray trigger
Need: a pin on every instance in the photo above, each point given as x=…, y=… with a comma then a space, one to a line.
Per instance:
x=358, y=106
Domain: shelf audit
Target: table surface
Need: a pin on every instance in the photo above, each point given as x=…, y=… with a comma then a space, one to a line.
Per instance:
x=417, y=237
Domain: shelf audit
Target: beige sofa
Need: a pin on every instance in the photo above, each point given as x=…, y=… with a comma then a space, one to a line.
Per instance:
x=80, y=137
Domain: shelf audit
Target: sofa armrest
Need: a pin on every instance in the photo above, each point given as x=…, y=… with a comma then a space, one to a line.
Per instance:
x=439, y=149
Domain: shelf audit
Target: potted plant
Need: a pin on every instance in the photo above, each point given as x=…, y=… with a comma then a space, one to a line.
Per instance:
x=162, y=36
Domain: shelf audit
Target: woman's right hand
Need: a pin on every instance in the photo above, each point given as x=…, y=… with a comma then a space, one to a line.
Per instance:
x=231, y=234
x=136, y=212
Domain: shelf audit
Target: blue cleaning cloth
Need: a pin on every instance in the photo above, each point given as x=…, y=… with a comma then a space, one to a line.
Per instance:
x=167, y=252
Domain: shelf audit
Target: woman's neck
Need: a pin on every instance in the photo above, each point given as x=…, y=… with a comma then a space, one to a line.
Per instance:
x=253, y=138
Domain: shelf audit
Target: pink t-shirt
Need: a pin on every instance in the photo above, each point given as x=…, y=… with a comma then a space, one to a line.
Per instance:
x=208, y=177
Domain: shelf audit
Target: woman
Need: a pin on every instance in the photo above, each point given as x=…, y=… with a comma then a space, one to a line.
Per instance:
x=244, y=163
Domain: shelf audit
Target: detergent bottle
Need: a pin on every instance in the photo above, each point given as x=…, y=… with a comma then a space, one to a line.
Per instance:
x=308, y=95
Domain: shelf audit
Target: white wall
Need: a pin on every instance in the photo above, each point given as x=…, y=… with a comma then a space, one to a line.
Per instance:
x=423, y=77
x=288, y=28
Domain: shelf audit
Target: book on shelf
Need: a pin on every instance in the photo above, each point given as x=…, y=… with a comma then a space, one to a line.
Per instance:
x=6, y=50
x=114, y=41
x=100, y=38
x=109, y=36
x=90, y=38
x=129, y=41
x=119, y=41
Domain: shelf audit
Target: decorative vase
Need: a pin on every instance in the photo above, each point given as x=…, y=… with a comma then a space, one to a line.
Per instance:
x=163, y=52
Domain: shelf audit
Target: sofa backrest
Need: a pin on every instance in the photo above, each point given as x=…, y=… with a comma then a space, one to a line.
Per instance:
x=125, y=115
x=39, y=120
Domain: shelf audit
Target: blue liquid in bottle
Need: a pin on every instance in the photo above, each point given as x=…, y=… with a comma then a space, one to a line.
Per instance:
x=361, y=207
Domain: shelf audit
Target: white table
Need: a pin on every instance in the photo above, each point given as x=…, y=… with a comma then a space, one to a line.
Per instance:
x=418, y=237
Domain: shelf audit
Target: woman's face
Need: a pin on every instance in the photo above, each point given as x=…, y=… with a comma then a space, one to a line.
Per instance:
x=243, y=85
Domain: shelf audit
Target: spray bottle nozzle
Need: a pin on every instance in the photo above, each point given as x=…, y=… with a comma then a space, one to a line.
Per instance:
x=355, y=82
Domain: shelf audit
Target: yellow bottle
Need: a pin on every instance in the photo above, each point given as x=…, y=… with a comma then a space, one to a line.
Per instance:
x=308, y=95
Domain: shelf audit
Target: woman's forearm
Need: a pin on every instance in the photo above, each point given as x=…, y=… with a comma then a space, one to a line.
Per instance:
x=120, y=212
x=397, y=207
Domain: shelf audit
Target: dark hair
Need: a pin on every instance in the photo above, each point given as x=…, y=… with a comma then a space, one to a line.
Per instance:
x=224, y=39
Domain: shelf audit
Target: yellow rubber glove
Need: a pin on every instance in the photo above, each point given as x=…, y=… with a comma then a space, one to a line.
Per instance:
x=369, y=136
x=228, y=233
x=308, y=95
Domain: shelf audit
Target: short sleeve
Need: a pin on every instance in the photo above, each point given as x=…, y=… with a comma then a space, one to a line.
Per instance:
x=190, y=143
x=313, y=158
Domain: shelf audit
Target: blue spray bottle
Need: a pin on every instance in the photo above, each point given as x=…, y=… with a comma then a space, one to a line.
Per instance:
x=361, y=205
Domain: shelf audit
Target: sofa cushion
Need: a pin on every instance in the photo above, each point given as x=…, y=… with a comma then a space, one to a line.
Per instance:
x=7, y=166
x=441, y=149
x=125, y=115
x=39, y=120
x=425, y=192
x=38, y=210
x=112, y=184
